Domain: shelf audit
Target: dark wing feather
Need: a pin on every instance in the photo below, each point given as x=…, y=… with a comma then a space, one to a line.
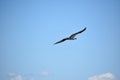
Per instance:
x=61, y=41
x=73, y=35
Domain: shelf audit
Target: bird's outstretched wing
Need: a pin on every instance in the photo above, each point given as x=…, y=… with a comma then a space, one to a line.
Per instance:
x=61, y=40
x=73, y=35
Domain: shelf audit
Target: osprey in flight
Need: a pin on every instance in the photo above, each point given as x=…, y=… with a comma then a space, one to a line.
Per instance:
x=72, y=37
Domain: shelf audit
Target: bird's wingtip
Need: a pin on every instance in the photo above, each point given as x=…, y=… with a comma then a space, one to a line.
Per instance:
x=85, y=28
x=54, y=43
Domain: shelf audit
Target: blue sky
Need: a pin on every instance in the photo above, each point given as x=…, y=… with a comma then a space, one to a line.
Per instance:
x=28, y=29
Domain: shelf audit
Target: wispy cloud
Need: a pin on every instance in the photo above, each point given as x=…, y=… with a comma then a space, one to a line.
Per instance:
x=106, y=76
x=44, y=73
x=18, y=77
x=11, y=74
x=15, y=76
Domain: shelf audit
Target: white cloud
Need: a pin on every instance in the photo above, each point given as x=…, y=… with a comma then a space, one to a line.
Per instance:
x=44, y=74
x=14, y=76
x=11, y=74
x=17, y=77
x=106, y=76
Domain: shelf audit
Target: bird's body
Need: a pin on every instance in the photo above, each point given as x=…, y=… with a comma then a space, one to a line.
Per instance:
x=72, y=37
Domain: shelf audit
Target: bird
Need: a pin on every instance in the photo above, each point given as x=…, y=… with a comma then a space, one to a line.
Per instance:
x=71, y=37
